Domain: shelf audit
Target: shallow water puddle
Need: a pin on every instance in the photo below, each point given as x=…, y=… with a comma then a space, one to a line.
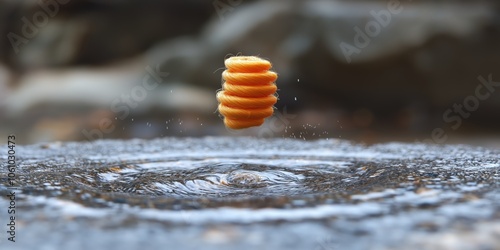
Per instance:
x=279, y=179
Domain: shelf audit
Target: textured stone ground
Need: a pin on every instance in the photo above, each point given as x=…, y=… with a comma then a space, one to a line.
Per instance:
x=246, y=193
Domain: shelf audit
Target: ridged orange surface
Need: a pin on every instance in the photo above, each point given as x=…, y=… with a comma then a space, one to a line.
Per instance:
x=247, y=95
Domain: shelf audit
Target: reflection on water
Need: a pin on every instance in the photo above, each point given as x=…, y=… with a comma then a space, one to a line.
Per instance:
x=215, y=181
x=227, y=182
x=277, y=180
x=266, y=193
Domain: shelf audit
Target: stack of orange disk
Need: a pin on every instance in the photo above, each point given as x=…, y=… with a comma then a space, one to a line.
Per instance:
x=247, y=95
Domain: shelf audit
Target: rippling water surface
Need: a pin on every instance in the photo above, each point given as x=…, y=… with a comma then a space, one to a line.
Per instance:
x=213, y=173
x=209, y=182
x=325, y=193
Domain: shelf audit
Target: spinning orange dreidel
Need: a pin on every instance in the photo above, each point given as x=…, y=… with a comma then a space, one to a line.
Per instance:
x=247, y=95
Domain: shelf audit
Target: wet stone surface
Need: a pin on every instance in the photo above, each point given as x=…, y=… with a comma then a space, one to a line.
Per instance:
x=247, y=193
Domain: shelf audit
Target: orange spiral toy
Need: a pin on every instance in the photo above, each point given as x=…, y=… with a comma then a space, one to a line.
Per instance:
x=247, y=95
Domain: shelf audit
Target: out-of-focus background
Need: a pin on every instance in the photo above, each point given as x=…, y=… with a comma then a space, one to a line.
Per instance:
x=369, y=71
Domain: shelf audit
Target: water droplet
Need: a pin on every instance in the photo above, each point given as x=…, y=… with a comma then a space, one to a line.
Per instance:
x=295, y=98
x=298, y=79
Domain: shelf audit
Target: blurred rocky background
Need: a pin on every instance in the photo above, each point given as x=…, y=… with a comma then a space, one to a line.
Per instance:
x=363, y=70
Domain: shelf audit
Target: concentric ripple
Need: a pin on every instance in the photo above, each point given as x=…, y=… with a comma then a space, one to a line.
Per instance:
x=215, y=180
x=193, y=184
x=248, y=177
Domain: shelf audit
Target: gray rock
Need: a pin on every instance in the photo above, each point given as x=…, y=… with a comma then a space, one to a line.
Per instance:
x=91, y=32
x=247, y=193
x=427, y=59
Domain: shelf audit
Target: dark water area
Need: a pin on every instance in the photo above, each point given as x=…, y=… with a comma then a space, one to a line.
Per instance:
x=222, y=193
